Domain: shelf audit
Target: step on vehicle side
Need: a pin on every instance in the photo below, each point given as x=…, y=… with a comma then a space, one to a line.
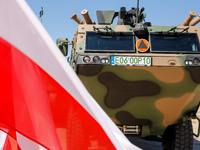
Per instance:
x=146, y=78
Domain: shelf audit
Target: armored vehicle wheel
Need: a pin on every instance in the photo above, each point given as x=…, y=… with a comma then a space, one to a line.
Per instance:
x=178, y=137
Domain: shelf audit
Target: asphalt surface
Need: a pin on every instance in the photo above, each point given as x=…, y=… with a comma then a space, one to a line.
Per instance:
x=154, y=145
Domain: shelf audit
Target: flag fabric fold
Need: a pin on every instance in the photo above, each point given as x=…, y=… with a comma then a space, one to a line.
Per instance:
x=43, y=103
x=7, y=145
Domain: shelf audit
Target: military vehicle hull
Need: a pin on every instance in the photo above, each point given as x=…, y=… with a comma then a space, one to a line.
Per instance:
x=127, y=93
x=146, y=78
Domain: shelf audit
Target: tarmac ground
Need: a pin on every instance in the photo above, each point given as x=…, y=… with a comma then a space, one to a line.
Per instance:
x=154, y=145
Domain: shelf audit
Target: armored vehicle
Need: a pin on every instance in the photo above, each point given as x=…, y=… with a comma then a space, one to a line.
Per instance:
x=146, y=78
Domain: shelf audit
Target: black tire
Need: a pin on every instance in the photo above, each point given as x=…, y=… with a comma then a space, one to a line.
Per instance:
x=178, y=137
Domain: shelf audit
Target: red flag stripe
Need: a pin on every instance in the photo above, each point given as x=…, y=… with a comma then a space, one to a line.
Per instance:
x=31, y=97
x=7, y=145
x=24, y=101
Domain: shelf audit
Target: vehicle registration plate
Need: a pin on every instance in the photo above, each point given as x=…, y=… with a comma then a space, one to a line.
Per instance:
x=131, y=61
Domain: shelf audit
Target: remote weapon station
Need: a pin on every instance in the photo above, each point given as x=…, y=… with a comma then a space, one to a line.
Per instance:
x=146, y=78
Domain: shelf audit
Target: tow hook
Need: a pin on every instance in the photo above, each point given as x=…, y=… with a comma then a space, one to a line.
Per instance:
x=130, y=129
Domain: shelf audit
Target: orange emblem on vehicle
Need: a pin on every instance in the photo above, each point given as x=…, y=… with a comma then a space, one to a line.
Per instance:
x=142, y=45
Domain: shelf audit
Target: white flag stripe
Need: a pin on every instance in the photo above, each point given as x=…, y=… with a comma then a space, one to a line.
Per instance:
x=26, y=144
x=19, y=27
x=3, y=136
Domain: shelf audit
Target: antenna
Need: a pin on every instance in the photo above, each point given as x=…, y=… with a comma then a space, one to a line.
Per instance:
x=137, y=13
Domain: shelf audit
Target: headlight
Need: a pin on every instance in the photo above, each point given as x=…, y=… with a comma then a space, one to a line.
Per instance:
x=188, y=62
x=86, y=59
x=96, y=59
x=196, y=61
x=104, y=61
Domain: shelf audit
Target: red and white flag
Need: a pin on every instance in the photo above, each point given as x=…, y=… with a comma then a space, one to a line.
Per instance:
x=43, y=104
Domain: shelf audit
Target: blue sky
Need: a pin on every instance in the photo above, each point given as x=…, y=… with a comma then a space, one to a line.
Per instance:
x=57, y=13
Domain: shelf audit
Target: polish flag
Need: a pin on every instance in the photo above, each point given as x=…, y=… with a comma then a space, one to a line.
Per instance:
x=43, y=104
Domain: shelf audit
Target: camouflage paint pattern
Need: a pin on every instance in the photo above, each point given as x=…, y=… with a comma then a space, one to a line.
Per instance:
x=156, y=96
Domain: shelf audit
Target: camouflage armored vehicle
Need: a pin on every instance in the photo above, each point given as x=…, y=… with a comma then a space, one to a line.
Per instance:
x=146, y=78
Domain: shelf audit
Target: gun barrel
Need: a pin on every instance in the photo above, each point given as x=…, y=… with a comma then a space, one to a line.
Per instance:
x=195, y=21
x=77, y=19
x=86, y=16
x=187, y=21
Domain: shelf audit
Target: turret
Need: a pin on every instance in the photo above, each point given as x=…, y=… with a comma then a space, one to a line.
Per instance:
x=124, y=17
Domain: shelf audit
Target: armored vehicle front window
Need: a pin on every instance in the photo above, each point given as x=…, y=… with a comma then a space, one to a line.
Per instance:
x=174, y=43
x=99, y=42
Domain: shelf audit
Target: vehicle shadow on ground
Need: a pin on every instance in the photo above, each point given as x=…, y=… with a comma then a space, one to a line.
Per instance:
x=144, y=144
x=154, y=145
x=196, y=145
